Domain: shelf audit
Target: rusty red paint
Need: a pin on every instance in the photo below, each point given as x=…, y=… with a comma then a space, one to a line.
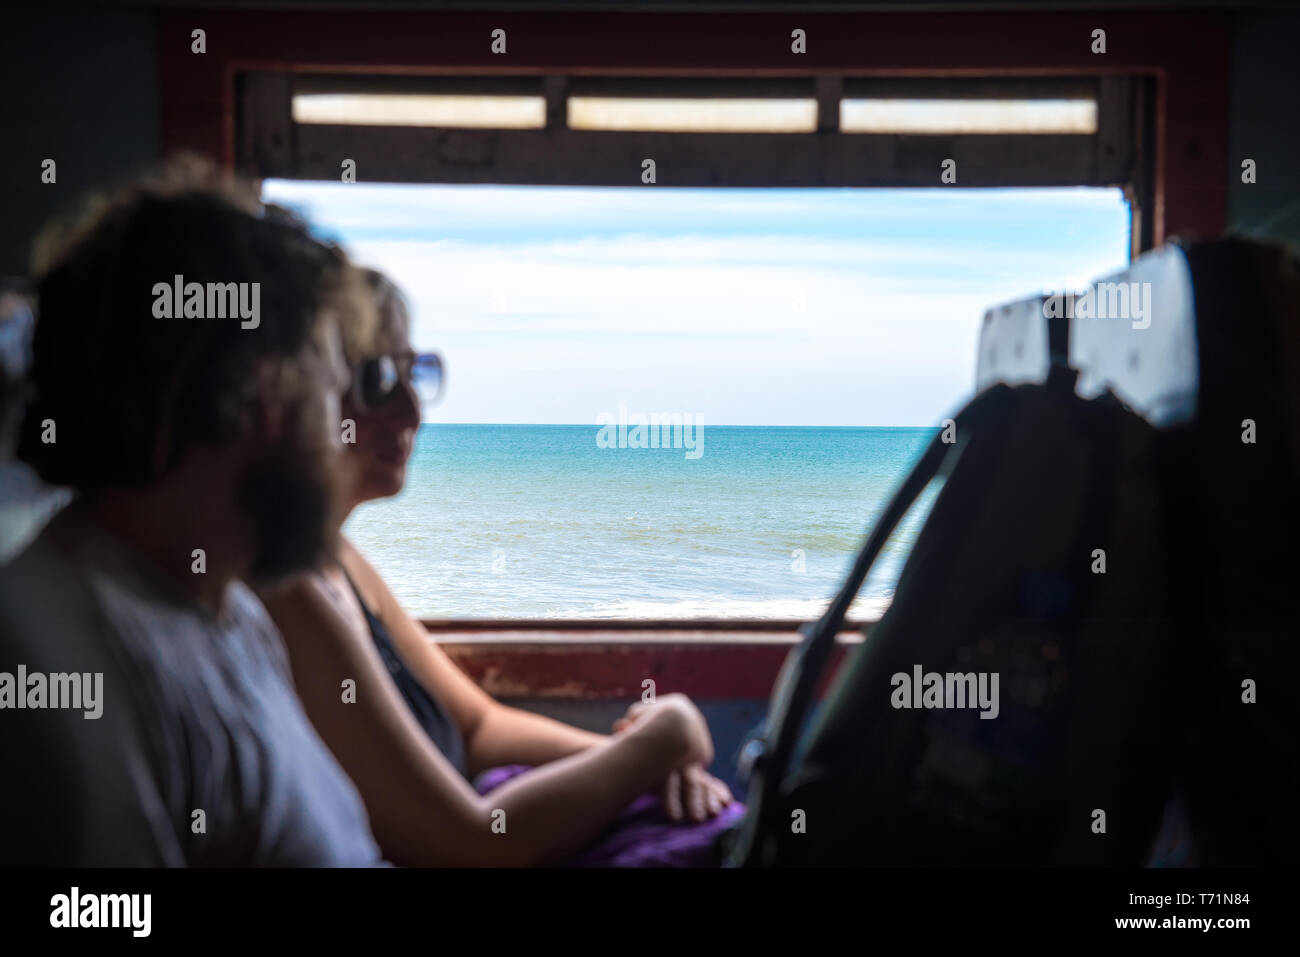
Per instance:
x=718, y=666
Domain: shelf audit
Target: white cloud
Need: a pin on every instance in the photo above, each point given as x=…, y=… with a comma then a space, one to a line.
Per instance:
x=754, y=328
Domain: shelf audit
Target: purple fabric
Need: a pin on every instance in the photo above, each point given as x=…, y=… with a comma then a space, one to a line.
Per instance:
x=642, y=835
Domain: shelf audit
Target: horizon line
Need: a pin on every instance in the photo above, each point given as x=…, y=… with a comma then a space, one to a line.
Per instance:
x=719, y=425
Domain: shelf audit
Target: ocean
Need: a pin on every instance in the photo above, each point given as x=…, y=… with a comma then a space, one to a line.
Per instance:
x=540, y=521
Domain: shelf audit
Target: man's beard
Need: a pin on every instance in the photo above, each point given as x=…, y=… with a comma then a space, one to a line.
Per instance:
x=290, y=498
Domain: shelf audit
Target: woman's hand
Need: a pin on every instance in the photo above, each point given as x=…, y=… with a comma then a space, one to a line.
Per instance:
x=696, y=793
x=688, y=791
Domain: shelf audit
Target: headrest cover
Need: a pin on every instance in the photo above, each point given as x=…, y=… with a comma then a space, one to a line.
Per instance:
x=1134, y=332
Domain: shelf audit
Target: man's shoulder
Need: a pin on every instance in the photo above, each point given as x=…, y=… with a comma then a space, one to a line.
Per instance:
x=53, y=575
x=84, y=781
x=42, y=594
x=39, y=553
x=180, y=685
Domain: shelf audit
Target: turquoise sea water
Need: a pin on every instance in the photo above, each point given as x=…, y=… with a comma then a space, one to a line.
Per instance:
x=540, y=521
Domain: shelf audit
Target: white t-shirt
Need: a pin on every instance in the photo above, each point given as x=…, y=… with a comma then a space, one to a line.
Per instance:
x=202, y=754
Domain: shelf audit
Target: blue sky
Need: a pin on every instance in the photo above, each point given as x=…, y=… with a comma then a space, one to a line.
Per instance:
x=744, y=307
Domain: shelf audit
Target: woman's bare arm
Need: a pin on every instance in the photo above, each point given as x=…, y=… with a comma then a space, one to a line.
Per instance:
x=494, y=733
x=509, y=735
x=421, y=810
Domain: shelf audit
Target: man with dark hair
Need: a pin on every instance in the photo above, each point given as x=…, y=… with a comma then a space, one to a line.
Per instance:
x=147, y=714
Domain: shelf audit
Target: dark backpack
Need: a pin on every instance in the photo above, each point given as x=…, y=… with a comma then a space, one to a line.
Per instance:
x=1001, y=582
x=1121, y=693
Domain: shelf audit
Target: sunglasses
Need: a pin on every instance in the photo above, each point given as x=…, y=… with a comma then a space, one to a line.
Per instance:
x=379, y=379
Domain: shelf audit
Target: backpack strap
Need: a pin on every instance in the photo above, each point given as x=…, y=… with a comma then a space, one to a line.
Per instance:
x=767, y=757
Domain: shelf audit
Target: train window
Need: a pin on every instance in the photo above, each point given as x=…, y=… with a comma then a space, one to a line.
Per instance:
x=683, y=403
x=685, y=398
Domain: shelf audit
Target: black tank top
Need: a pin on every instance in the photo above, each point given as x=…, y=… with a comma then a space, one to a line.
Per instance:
x=429, y=713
